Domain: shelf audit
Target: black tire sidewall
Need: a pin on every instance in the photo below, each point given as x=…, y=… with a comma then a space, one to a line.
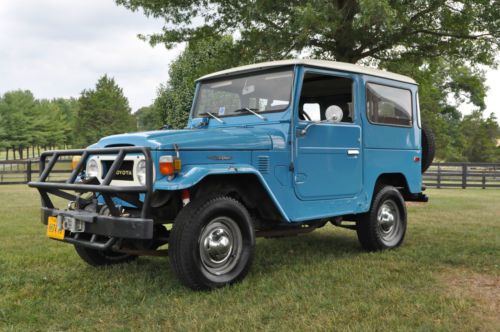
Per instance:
x=184, y=247
x=368, y=234
x=428, y=147
x=96, y=257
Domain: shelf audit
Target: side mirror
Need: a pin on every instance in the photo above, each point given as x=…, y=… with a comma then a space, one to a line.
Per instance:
x=334, y=114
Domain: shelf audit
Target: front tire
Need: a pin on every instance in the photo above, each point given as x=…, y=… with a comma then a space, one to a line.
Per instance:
x=384, y=226
x=212, y=243
x=96, y=257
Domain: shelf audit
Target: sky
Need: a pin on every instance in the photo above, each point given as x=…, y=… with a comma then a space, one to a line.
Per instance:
x=57, y=48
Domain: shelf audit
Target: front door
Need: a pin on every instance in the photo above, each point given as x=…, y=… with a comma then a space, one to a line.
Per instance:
x=327, y=156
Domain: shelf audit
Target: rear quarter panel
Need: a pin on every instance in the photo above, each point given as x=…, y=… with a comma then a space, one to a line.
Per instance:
x=388, y=148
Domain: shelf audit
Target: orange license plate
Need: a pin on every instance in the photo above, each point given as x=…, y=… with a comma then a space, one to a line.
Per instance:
x=52, y=230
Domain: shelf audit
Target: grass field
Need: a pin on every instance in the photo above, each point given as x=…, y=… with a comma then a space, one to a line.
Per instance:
x=446, y=276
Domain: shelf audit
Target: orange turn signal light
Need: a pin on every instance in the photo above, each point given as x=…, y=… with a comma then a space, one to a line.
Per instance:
x=75, y=161
x=169, y=165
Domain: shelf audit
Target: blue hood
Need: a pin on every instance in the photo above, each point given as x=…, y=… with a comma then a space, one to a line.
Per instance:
x=195, y=139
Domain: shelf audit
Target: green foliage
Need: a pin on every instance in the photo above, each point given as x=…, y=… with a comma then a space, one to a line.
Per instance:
x=199, y=58
x=147, y=118
x=481, y=138
x=27, y=122
x=339, y=29
x=102, y=111
x=17, y=109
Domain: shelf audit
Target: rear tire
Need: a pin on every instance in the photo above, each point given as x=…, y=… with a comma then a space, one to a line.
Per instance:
x=96, y=257
x=384, y=226
x=212, y=243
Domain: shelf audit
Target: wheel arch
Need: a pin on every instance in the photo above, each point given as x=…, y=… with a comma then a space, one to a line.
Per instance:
x=248, y=188
x=397, y=180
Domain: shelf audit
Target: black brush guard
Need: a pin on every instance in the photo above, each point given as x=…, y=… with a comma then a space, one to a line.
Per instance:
x=113, y=227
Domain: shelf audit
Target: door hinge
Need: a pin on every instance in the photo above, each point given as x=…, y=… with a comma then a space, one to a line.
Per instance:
x=291, y=168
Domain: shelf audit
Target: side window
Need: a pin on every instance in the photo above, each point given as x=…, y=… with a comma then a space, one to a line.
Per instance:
x=321, y=91
x=388, y=105
x=313, y=110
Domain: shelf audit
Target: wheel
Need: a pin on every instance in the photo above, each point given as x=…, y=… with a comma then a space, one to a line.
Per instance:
x=212, y=243
x=96, y=257
x=384, y=226
x=428, y=147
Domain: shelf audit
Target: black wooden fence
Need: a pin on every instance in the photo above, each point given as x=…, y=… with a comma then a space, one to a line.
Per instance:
x=463, y=175
x=23, y=171
x=439, y=175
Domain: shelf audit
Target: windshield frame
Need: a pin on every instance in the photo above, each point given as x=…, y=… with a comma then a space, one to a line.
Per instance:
x=290, y=69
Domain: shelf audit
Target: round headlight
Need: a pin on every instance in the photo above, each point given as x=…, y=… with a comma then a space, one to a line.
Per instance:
x=141, y=172
x=92, y=169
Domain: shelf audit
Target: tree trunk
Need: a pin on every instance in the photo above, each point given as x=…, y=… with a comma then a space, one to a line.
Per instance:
x=21, y=152
x=14, y=152
x=38, y=149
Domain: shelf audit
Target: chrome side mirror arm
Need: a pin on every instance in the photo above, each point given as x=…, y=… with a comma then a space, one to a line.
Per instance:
x=303, y=132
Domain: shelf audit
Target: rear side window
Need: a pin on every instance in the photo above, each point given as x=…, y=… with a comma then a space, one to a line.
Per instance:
x=388, y=105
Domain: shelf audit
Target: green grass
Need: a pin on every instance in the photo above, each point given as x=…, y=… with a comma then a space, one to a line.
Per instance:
x=319, y=281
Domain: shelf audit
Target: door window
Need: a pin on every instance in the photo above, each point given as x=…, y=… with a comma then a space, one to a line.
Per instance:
x=321, y=91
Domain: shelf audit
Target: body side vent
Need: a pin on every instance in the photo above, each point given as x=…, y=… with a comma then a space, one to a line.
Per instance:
x=263, y=164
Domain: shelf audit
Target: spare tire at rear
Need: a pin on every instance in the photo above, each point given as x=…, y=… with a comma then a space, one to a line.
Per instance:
x=428, y=147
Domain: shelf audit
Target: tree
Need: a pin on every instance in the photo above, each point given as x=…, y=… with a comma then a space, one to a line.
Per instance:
x=174, y=99
x=344, y=30
x=102, y=111
x=148, y=118
x=17, y=113
x=481, y=144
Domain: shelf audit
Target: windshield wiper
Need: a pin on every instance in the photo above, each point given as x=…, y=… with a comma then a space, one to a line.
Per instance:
x=213, y=116
x=250, y=110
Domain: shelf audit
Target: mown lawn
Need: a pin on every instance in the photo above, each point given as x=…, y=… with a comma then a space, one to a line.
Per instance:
x=445, y=277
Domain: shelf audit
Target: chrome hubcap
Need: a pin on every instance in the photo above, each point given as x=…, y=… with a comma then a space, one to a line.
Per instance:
x=220, y=245
x=386, y=218
x=389, y=222
x=217, y=245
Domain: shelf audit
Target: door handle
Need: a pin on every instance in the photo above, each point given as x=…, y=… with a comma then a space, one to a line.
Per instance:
x=353, y=152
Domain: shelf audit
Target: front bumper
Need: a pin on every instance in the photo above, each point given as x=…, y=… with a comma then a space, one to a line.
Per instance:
x=112, y=227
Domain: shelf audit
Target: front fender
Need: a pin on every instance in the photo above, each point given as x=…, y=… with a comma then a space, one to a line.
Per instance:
x=193, y=174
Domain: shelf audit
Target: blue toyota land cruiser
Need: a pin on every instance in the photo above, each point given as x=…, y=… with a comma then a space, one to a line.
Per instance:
x=271, y=149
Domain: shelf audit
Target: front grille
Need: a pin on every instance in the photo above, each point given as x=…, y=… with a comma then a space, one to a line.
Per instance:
x=124, y=173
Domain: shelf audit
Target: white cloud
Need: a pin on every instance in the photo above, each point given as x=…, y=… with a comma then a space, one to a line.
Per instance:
x=58, y=48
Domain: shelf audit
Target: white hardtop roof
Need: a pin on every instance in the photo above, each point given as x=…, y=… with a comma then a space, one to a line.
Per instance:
x=340, y=66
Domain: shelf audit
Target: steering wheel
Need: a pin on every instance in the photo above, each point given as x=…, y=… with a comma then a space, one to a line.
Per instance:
x=305, y=115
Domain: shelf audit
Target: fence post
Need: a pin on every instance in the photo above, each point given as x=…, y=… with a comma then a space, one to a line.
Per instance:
x=484, y=180
x=28, y=171
x=464, y=176
x=439, y=177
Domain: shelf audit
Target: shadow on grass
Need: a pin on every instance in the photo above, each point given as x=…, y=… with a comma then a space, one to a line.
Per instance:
x=273, y=255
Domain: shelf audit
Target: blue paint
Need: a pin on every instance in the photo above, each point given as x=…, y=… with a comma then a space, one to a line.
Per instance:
x=309, y=176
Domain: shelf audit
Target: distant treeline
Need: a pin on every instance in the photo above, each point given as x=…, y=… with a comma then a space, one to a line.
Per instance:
x=29, y=125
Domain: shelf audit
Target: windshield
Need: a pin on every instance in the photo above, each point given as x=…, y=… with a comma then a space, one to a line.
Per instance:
x=266, y=92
